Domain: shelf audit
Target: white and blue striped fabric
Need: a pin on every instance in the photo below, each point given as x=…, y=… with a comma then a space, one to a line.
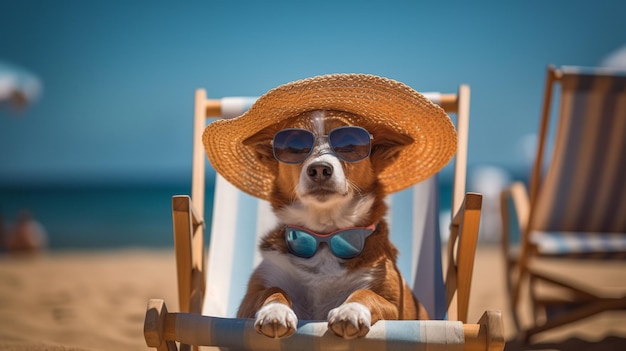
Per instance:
x=581, y=204
x=240, y=334
x=414, y=226
x=240, y=220
x=580, y=244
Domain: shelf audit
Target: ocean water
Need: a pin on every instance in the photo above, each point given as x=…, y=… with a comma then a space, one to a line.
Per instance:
x=108, y=216
x=97, y=216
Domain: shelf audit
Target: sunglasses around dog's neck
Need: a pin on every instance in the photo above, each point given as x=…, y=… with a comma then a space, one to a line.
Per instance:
x=345, y=243
x=294, y=145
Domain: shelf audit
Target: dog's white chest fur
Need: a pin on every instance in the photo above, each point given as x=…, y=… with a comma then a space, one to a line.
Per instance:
x=315, y=285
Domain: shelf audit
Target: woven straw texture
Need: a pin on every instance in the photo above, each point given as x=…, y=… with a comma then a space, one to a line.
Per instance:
x=379, y=100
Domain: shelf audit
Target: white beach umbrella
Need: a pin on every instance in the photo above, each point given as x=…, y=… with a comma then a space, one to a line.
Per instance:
x=18, y=87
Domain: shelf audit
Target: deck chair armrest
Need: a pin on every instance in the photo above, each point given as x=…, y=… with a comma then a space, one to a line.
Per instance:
x=190, y=254
x=461, y=252
x=162, y=328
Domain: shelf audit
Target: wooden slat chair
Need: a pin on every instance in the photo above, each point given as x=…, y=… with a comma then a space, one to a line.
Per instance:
x=578, y=209
x=237, y=215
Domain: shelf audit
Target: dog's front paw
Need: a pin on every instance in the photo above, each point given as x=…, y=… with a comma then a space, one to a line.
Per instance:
x=276, y=320
x=350, y=320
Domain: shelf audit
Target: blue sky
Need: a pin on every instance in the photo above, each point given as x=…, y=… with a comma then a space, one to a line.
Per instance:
x=118, y=76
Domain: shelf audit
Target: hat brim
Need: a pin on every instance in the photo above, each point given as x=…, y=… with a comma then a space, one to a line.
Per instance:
x=379, y=100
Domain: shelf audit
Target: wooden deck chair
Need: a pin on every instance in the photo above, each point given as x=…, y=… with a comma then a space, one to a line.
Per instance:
x=578, y=209
x=413, y=210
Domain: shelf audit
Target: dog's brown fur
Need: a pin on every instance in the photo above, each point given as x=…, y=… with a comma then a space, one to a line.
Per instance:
x=387, y=296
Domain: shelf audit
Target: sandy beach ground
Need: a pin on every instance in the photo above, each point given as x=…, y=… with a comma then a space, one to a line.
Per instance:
x=96, y=301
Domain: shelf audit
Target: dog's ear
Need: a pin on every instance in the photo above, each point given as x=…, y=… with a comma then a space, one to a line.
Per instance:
x=261, y=142
x=386, y=146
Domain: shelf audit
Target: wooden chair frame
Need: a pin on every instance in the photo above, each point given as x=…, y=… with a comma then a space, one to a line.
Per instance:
x=520, y=272
x=188, y=221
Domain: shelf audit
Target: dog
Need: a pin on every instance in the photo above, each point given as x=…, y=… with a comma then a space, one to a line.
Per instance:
x=322, y=189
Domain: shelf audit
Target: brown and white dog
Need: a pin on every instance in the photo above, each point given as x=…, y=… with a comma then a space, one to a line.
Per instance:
x=325, y=194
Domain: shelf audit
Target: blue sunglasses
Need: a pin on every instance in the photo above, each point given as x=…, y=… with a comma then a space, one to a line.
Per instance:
x=345, y=243
x=349, y=143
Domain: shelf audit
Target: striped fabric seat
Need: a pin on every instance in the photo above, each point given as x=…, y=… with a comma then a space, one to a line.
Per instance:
x=576, y=206
x=580, y=244
x=210, y=292
x=584, y=191
x=232, y=259
x=239, y=334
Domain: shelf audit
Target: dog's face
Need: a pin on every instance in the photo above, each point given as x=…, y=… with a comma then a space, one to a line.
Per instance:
x=323, y=181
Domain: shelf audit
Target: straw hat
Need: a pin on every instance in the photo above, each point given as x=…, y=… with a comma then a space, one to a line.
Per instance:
x=377, y=100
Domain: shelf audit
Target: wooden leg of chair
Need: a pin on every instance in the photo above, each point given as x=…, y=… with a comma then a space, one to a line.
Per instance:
x=510, y=271
x=183, y=232
x=154, y=324
x=578, y=314
x=190, y=256
x=467, y=251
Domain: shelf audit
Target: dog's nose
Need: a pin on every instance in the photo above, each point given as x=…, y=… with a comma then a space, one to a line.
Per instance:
x=319, y=171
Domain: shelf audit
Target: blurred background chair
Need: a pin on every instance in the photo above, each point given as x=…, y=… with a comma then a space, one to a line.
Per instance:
x=576, y=207
x=238, y=217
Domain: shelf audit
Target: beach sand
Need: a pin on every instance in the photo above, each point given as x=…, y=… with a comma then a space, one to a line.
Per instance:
x=96, y=301
x=82, y=300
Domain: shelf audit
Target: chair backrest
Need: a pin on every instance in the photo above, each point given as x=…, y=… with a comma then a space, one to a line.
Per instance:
x=236, y=215
x=584, y=188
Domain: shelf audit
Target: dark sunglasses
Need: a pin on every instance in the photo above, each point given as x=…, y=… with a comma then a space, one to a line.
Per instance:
x=294, y=145
x=345, y=243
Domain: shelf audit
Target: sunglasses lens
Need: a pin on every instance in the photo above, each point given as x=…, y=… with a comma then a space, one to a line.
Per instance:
x=348, y=244
x=350, y=143
x=301, y=243
x=293, y=145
